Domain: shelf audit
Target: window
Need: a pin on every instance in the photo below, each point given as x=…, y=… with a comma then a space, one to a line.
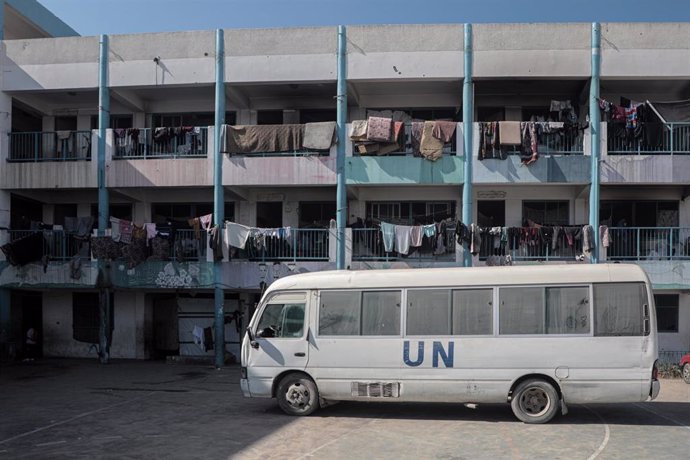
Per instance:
x=190, y=119
x=473, y=312
x=120, y=211
x=446, y=312
x=546, y=212
x=521, y=310
x=339, y=313
x=359, y=313
x=163, y=213
x=618, y=309
x=428, y=312
x=544, y=310
x=86, y=316
x=411, y=212
x=282, y=321
x=666, y=312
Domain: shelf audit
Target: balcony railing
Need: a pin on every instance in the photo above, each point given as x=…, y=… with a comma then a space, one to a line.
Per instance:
x=57, y=244
x=301, y=244
x=143, y=143
x=406, y=149
x=569, y=142
x=187, y=247
x=367, y=245
x=50, y=146
x=529, y=243
x=675, y=141
x=649, y=243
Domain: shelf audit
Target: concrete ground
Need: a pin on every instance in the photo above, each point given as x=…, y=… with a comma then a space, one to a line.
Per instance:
x=132, y=409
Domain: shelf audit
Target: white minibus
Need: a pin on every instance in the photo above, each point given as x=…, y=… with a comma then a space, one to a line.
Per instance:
x=537, y=337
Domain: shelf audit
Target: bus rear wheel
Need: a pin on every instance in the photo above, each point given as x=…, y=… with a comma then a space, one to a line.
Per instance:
x=297, y=395
x=535, y=401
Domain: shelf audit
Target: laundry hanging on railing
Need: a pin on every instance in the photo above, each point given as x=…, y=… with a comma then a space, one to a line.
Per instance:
x=237, y=235
x=24, y=250
x=243, y=139
x=400, y=238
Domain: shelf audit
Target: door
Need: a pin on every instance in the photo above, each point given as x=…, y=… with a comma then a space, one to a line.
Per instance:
x=280, y=341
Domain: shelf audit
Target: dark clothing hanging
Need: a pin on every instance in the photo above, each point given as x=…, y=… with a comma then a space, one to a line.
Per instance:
x=24, y=250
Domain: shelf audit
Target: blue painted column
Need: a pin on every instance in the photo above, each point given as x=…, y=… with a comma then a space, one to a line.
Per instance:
x=219, y=198
x=595, y=137
x=341, y=193
x=468, y=125
x=2, y=19
x=104, y=305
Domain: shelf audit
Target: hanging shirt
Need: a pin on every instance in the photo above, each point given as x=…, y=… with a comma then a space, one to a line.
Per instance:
x=206, y=221
x=429, y=230
x=388, y=235
x=115, y=228
x=402, y=238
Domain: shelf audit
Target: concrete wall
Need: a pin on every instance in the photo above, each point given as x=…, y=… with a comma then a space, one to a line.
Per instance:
x=128, y=332
x=532, y=50
x=678, y=341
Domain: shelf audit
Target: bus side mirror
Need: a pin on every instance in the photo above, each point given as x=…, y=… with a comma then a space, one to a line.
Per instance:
x=252, y=339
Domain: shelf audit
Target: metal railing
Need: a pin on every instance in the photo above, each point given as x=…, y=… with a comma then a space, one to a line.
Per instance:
x=50, y=146
x=567, y=142
x=57, y=244
x=280, y=245
x=143, y=143
x=449, y=148
x=648, y=243
x=530, y=243
x=187, y=245
x=367, y=245
x=671, y=357
x=675, y=140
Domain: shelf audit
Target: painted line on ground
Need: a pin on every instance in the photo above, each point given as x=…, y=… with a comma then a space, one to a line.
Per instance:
x=76, y=417
x=52, y=443
x=312, y=452
x=607, y=435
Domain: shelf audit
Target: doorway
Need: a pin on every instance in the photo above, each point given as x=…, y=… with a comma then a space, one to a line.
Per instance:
x=491, y=213
x=269, y=214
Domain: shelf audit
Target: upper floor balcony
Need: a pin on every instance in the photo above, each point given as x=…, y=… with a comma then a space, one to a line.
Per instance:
x=49, y=146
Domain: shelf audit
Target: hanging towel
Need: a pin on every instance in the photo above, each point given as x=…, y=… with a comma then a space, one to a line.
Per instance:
x=444, y=130
x=416, y=135
x=150, y=231
x=587, y=238
x=358, y=130
x=388, y=236
x=604, y=236
x=195, y=223
x=416, y=235
x=379, y=129
x=62, y=135
x=319, y=136
x=509, y=132
x=476, y=240
x=115, y=228
x=430, y=147
x=125, y=231
x=402, y=238
x=206, y=221
x=237, y=234
x=198, y=335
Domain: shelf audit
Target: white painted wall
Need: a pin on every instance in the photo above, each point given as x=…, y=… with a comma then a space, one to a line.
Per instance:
x=678, y=341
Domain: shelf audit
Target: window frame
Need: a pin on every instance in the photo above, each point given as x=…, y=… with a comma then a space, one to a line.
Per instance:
x=676, y=307
x=497, y=313
x=274, y=299
x=403, y=299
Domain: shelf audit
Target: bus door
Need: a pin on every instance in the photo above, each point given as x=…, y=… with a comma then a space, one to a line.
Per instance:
x=280, y=338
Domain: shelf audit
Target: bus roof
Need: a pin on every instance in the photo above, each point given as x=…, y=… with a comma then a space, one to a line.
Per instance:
x=461, y=276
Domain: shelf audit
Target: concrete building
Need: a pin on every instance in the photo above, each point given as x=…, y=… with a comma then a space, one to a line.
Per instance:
x=49, y=112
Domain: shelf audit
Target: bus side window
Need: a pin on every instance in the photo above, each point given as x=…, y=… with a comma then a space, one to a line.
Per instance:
x=473, y=312
x=618, y=309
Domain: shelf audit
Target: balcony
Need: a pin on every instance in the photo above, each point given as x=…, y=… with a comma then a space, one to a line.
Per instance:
x=648, y=243
x=145, y=143
x=367, y=244
x=57, y=245
x=301, y=244
x=675, y=140
x=557, y=143
x=50, y=146
x=533, y=244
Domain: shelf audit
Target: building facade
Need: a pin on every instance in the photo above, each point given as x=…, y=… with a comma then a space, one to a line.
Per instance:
x=49, y=113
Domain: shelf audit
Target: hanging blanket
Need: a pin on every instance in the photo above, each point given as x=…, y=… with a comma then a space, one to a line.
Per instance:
x=262, y=138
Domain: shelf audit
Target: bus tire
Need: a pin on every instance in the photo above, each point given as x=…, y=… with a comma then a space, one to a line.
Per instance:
x=535, y=401
x=297, y=395
x=686, y=373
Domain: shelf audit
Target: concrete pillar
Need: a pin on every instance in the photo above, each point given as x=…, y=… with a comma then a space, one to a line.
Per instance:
x=290, y=117
x=139, y=120
x=48, y=123
x=290, y=214
x=83, y=209
x=83, y=122
x=5, y=201
x=48, y=214
x=141, y=212
x=5, y=124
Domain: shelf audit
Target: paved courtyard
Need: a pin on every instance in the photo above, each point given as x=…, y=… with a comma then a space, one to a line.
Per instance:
x=79, y=409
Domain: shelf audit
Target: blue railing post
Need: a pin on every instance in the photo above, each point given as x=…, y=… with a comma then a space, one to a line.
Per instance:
x=37, y=145
x=341, y=116
x=595, y=126
x=670, y=133
x=468, y=128
x=637, y=239
x=294, y=245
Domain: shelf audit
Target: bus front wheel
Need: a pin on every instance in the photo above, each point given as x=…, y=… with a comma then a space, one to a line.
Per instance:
x=535, y=401
x=686, y=372
x=297, y=395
